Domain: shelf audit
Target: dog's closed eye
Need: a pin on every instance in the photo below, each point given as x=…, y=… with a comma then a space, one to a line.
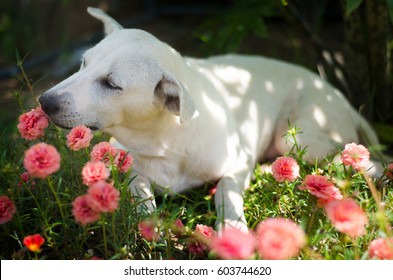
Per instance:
x=108, y=83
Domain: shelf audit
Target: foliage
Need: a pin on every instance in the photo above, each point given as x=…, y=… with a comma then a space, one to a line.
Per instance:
x=352, y=5
x=225, y=31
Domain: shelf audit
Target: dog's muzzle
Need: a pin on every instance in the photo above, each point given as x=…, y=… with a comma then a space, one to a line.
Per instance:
x=54, y=106
x=58, y=109
x=50, y=104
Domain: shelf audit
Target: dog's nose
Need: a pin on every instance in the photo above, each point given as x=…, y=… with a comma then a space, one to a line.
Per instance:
x=49, y=104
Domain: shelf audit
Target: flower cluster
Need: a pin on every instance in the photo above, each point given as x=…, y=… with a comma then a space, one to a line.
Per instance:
x=274, y=239
x=106, y=153
x=42, y=160
x=279, y=238
x=345, y=214
x=271, y=239
x=102, y=197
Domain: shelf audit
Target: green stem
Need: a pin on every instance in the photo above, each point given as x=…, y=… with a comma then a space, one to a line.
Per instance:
x=168, y=245
x=57, y=201
x=310, y=223
x=42, y=214
x=105, y=240
x=356, y=251
x=381, y=214
x=114, y=229
x=28, y=84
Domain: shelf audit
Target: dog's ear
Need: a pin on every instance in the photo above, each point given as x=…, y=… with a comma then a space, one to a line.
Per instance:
x=110, y=25
x=174, y=97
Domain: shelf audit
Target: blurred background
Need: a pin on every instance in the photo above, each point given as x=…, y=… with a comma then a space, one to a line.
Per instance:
x=348, y=42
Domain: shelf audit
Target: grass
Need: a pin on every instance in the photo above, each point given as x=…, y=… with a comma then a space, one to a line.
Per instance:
x=44, y=206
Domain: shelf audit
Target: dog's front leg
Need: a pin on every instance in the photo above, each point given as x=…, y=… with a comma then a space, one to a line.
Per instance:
x=143, y=194
x=229, y=200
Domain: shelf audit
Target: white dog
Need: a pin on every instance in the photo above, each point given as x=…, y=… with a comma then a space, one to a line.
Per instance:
x=190, y=121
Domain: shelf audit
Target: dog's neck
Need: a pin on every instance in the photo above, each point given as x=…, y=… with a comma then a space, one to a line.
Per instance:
x=146, y=140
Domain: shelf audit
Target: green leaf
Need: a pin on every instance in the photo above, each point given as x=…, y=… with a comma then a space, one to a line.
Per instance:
x=384, y=131
x=390, y=10
x=352, y=5
x=259, y=27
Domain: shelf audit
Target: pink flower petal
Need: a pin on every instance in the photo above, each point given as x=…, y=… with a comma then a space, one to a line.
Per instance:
x=285, y=169
x=279, y=238
x=32, y=124
x=79, y=138
x=347, y=217
x=41, y=160
x=233, y=244
x=356, y=156
x=94, y=172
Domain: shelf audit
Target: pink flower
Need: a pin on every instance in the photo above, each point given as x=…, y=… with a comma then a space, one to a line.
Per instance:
x=7, y=209
x=321, y=187
x=213, y=190
x=84, y=211
x=198, y=243
x=347, y=217
x=179, y=224
x=356, y=156
x=104, y=152
x=389, y=171
x=94, y=172
x=196, y=247
x=233, y=244
x=79, y=138
x=41, y=160
x=32, y=124
x=105, y=197
x=178, y=227
x=148, y=230
x=24, y=179
x=205, y=232
x=279, y=238
x=123, y=161
x=34, y=242
x=285, y=169
x=381, y=248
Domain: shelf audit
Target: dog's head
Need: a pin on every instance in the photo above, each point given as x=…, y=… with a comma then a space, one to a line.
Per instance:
x=127, y=77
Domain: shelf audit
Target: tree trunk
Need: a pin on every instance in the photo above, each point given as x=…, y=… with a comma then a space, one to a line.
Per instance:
x=365, y=52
